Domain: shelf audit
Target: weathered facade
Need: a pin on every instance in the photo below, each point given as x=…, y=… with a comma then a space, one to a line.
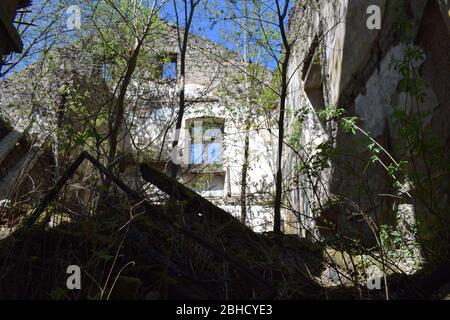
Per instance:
x=211, y=148
x=341, y=62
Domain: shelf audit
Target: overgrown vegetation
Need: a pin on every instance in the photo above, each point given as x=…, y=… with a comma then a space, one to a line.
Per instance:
x=137, y=233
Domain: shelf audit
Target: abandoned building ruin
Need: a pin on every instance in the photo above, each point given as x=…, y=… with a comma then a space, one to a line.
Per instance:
x=211, y=164
x=346, y=65
x=337, y=61
x=211, y=147
x=361, y=102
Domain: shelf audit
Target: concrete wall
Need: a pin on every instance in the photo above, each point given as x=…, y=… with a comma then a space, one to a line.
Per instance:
x=357, y=73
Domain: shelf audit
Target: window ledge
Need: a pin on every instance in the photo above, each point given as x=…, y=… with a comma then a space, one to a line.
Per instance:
x=206, y=169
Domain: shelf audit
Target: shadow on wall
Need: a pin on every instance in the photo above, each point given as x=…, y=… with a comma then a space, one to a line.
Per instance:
x=365, y=59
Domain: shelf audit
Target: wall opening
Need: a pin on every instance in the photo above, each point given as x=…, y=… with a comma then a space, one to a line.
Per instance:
x=205, y=141
x=205, y=150
x=314, y=83
x=169, y=67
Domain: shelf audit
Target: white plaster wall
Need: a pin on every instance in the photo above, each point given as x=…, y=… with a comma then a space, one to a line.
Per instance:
x=204, y=100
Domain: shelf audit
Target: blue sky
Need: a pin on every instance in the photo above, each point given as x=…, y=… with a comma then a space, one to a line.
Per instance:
x=202, y=25
x=203, y=22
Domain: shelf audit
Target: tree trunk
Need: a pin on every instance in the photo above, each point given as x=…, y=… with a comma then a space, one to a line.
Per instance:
x=283, y=95
x=182, y=44
x=174, y=165
x=118, y=116
x=279, y=176
x=244, y=177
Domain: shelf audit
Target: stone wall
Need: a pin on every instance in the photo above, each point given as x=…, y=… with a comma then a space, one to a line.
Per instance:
x=338, y=62
x=212, y=91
